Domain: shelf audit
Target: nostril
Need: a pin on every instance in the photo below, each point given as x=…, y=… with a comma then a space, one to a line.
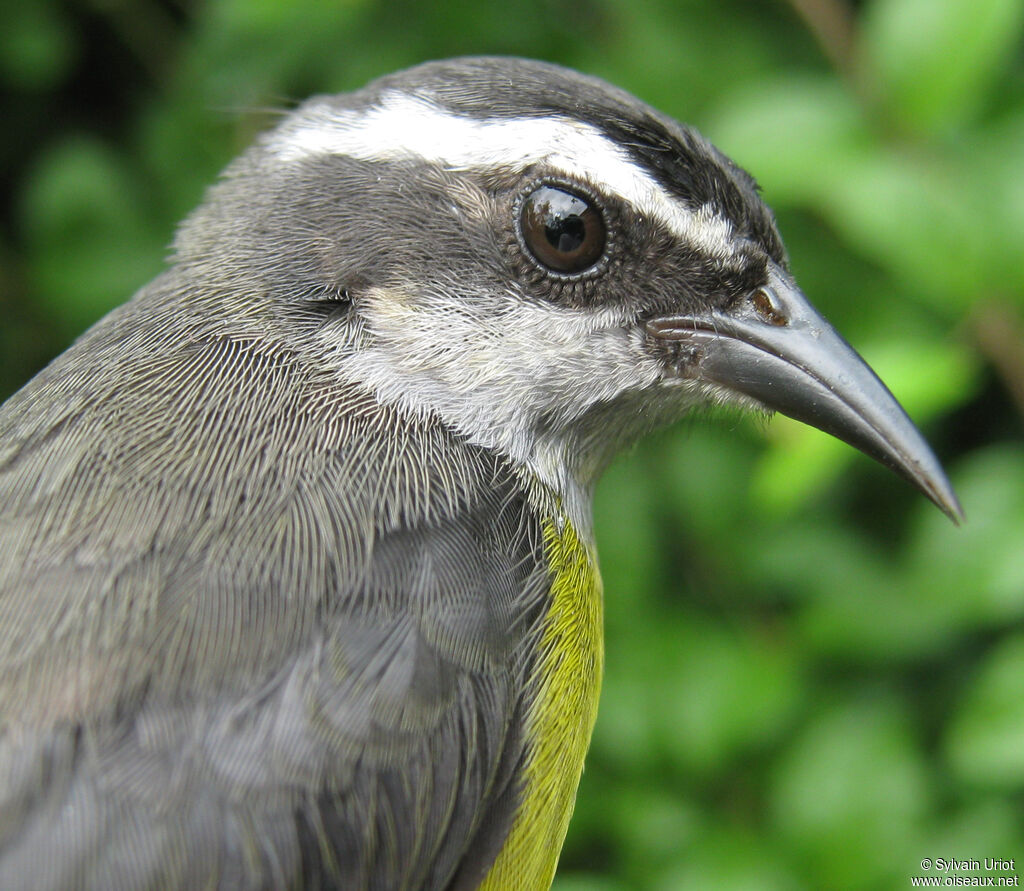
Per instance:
x=766, y=303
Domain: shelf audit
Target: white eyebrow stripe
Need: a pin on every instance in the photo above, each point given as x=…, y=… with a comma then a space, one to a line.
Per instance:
x=403, y=126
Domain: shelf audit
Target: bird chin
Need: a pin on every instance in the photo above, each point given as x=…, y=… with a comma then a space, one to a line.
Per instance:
x=690, y=392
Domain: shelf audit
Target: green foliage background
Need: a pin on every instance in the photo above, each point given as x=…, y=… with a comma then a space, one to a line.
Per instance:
x=813, y=679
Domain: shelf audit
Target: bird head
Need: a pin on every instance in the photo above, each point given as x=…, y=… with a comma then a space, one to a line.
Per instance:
x=540, y=260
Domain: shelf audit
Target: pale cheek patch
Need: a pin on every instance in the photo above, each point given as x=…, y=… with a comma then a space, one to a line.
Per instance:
x=406, y=127
x=497, y=376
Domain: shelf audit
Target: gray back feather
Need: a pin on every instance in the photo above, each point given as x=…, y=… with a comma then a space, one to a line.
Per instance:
x=256, y=630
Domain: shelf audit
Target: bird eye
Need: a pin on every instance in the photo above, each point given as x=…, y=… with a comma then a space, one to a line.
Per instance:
x=562, y=230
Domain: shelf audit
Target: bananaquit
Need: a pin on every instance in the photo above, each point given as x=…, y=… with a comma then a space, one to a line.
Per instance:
x=297, y=576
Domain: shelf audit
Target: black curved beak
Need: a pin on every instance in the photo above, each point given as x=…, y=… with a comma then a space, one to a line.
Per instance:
x=777, y=349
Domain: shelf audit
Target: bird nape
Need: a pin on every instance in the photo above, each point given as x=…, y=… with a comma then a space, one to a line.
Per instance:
x=297, y=575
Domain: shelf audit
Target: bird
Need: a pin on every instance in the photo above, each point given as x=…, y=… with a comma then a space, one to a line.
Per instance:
x=298, y=580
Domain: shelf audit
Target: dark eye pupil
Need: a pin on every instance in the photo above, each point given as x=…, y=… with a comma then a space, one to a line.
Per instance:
x=566, y=234
x=562, y=230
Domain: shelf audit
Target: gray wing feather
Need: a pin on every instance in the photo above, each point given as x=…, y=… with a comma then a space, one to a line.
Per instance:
x=256, y=630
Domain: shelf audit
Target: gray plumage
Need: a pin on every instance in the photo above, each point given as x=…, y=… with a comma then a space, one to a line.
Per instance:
x=256, y=629
x=273, y=560
x=227, y=622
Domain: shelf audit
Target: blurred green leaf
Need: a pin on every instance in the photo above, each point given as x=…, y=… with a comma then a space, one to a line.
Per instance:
x=850, y=793
x=976, y=571
x=655, y=824
x=984, y=824
x=731, y=692
x=625, y=518
x=797, y=135
x=992, y=170
x=915, y=216
x=700, y=693
x=855, y=603
x=582, y=882
x=800, y=463
x=703, y=467
x=730, y=859
x=985, y=739
x=933, y=60
x=89, y=239
x=36, y=45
